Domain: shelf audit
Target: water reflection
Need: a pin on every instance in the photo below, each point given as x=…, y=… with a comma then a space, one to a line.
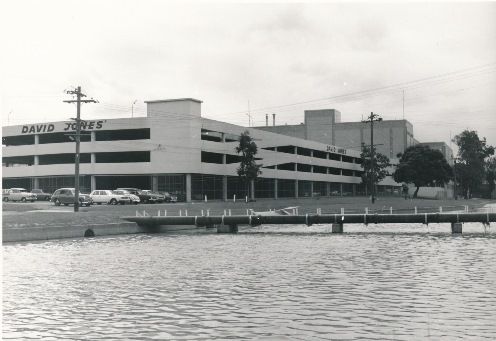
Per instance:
x=265, y=283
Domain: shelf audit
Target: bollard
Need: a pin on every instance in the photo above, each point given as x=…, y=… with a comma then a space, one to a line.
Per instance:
x=366, y=210
x=342, y=210
x=456, y=228
x=206, y=198
x=202, y=212
x=247, y=212
x=466, y=208
x=158, y=213
x=391, y=210
x=337, y=228
x=415, y=209
x=229, y=212
x=208, y=213
x=297, y=211
x=180, y=213
x=440, y=209
x=165, y=213
x=224, y=212
x=234, y=198
x=246, y=199
x=186, y=212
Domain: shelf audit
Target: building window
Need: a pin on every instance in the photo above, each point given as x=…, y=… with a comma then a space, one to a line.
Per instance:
x=65, y=158
x=123, y=134
x=122, y=157
x=304, y=189
x=18, y=161
x=209, y=185
x=62, y=137
x=264, y=188
x=319, y=188
x=173, y=184
x=285, y=188
x=19, y=140
x=304, y=168
x=208, y=157
x=236, y=187
x=51, y=184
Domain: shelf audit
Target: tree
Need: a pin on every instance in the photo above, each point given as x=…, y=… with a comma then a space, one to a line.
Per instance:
x=248, y=170
x=472, y=153
x=381, y=163
x=491, y=174
x=422, y=166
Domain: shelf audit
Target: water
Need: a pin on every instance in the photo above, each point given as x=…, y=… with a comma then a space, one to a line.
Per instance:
x=270, y=283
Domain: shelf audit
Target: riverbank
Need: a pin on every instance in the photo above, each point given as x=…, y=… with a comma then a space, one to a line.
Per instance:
x=43, y=220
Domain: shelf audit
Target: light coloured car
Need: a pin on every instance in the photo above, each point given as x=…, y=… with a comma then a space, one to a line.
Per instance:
x=134, y=198
x=110, y=197
x=19, y=194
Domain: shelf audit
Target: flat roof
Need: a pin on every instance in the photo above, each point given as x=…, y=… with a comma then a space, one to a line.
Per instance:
x=174, y=100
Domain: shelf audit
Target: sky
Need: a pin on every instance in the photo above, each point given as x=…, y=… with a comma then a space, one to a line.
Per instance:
x=433, y=64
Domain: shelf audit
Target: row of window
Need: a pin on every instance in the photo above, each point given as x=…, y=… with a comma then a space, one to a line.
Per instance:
x=314, y=153
x=100, y=135
x=65, y=158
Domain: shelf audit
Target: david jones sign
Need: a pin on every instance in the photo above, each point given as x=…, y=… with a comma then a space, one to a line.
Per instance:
x=67, y=126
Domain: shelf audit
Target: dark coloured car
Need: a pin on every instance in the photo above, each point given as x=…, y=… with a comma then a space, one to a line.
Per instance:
x=40, y=195
x=145, y=196
x=169, y=197
x=67, y=196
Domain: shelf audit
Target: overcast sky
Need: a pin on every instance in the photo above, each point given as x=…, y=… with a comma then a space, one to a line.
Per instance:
x=266, y=58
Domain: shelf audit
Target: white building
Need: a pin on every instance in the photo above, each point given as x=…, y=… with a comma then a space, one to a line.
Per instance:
x=174, y=149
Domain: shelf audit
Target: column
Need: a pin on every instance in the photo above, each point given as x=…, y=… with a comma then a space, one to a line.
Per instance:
x=275, y=189
x=92, y=183
x=36, y=183
x=36, y=139
x=36, y=157
x=296, y=188
x=36, y=160
x=341, y=189
x=311, y=188
x=354, y=189
x=93, y=139
x=224, y=187
x=155, y=183
x=252, y=190
x=188, y=187
x=328, y=189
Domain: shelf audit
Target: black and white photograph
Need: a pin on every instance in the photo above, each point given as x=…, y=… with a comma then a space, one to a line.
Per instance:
x=241, y=170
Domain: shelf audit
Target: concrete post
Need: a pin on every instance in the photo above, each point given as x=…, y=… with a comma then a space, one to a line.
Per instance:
x=188, y=187
x=275, y=189
x=92, y=136
x=354, y=189
x=92, y=183
x=252, y=189
x=36, y=183
x=224, y=187
x=36, y=139
x=36, y=160
x=93, y=158
x=328, y=189
x=341, y=189
x=311, y=188
x=456, y=228
x=296, y=188
x=337, y=228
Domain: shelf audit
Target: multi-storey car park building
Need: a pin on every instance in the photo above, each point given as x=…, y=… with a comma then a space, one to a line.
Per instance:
x=174, y=149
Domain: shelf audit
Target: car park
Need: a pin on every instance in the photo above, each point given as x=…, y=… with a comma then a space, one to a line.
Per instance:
x=41, y=195
x=110, y=197
x=19, y=194
x=67, y=196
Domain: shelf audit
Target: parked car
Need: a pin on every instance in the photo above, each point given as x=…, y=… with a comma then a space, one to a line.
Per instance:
x=132, y=197
x=40, y=195
x=169, y=197
x=5, y=194
x=110, y=197
x=67, y=197
x=148, y=196
x=19, y=194
x=144, y=196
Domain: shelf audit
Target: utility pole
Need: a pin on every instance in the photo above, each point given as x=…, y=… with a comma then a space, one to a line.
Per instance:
x=77, y=92
x=371, y=119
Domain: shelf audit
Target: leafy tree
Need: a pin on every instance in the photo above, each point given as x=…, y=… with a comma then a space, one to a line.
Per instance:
x=422, y=166
x=248, y=170
x=381, y=163
x=472, y=152
x=491, y=174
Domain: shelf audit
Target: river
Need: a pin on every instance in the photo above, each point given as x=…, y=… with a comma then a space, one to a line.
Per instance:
x=265, y=283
